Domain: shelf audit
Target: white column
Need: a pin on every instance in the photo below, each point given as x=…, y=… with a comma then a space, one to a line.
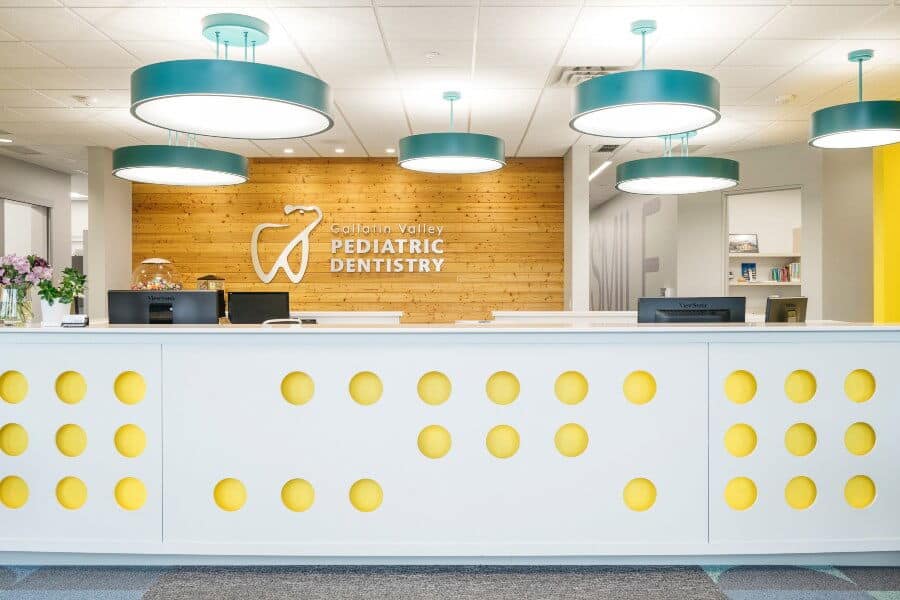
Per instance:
x=108, y=248
x=576, y=199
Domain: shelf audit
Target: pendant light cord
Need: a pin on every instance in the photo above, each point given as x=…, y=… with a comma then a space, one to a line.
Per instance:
x=643, y=50
x=451, y=115
x=859, y=88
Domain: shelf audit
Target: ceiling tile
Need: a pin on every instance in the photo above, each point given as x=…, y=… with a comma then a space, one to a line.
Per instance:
x=88, y=54
x=803, y=84
x=276, y=148
x=341, y=23
x=28, y=99
x=534, y=77
x=522, y=22
x=549, y=133
x=150, y=52
x=359, y=77
x=887, y=52
x=735, y=95
x=56, y=115
x=431, y=53
x=428, y=111
x=146, y=23
x=107, y=79
x=24, y=56
x=763, y=53
x=440, y=78
x=884, y=26
x=693, y=52
x=517, y=53
x=46, y=24
x=427, y=23
x=503, y=113
x=359, y=64
x=746, y=76
x=816, y=22
x=601, y=52
x=100, y=99
x=339, y=136
x=425, y=2
x=378, y=119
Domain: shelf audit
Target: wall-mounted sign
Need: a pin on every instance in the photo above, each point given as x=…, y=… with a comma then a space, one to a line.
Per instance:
x=282, y=262
x=418, y=248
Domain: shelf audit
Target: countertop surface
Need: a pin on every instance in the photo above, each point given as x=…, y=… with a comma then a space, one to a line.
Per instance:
x=473, y=327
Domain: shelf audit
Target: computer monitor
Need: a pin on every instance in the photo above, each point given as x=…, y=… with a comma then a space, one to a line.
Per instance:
x=129, y=307
x=726, y=309
x=785, y=310
x=256, y=307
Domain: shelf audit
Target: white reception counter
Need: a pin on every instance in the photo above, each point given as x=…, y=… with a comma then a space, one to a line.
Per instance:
x=516, y=443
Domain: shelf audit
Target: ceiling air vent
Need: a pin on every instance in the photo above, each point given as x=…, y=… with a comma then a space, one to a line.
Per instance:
x=606, y=148
x=569, y=77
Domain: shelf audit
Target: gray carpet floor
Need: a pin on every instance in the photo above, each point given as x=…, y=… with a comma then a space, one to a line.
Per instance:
x=457, y=583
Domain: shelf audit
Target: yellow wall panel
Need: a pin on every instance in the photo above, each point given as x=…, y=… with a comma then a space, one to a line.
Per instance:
x=886, y=232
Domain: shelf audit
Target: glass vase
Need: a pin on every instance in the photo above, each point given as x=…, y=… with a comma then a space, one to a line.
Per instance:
x=15, y=306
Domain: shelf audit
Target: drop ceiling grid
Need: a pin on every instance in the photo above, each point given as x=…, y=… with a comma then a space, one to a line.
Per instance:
x=495, y=50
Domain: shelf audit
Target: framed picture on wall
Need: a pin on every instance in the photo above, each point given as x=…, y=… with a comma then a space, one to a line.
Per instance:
x=743, y=243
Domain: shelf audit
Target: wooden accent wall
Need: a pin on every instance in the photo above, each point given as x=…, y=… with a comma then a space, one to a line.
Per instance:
x=503, y=234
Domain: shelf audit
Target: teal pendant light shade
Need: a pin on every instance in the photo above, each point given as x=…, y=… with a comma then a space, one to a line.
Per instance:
x=645, y=102
x=179, y=165
x=677, y=174
x=231, y=98
x=451, y=152
x=861, y=124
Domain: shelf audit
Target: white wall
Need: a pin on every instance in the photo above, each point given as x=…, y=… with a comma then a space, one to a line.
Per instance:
x=772, y=216
x=79, y=225
x=576, y=209
x=32, y=184
x=647, y=247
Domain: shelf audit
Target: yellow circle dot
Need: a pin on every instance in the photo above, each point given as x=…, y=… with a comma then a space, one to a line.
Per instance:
x=13, y=387
x=13, y=492
x=740, y=387
x=800, y=386
x=571, y=387
x=800, y=439
x=859, y=438
x=502, y=441
x=639, y=387
x=639, y=494
x=800, y=492
x=859, y=491
x=297, y=387
x=859, y=385
x=434, y=388
x=130, y=387
x=502, y=387
x=366, y=388
x=571, y=439
x=71, y=440
x=71, y=493
x=740, y=493
x=230, y=494
x=130, y=440
x=298, y=495
x=13, y=439
x=71, y=387
x=130, y=493
x=366, y=495
x=434, y=441
x=740, y=440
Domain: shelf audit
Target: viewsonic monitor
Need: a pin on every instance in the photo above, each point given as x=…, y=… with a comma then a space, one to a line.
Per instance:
x=128, y=307
x=725, y=309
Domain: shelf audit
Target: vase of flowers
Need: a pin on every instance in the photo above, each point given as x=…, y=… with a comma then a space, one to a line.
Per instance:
x=56, y=301
x=17, y=276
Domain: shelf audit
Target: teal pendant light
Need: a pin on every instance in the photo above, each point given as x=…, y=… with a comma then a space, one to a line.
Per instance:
x=451, y=152
x=231, y=98
x=860, y=124
x=645, y=102
x=674, y=175
x=179, y=165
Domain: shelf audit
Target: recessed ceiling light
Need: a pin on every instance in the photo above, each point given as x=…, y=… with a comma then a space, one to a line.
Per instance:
x=76, y=196
x=288, y=150
x=390, y=150
x=432, y=55
x=785, y=99
x=339, y=150
x=6, y=137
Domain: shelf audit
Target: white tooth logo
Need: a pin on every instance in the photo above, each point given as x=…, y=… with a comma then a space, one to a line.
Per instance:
x=301, y=239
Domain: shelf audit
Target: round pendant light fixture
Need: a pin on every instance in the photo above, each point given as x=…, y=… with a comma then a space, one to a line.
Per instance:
x=179, y=165
x=451, y=152
x=676, y=175
x=860, y=124
x=645, y=102
x=231, y=98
